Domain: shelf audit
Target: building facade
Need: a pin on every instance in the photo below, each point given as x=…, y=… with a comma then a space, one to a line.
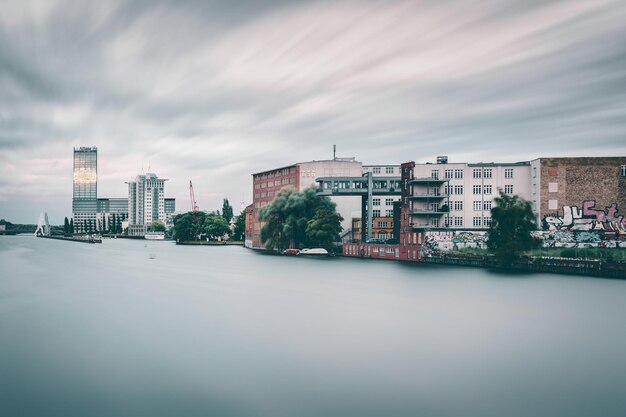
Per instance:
x=301, y=176
x=111, y=213
x=85, y=189
x=146, y=203
x=584, y=199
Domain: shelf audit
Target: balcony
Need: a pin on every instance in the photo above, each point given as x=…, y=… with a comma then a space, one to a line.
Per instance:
x=429, y=196
x=427, y=180
x=428, y=212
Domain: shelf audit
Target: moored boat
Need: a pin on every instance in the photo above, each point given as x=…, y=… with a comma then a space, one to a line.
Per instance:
x=291, y=252
x=155, y=235
x=314, y=252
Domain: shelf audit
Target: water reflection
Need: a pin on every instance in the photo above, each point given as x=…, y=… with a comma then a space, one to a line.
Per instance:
x=106, y=330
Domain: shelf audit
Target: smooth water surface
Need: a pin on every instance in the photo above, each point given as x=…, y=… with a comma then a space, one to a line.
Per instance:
x=144, y=328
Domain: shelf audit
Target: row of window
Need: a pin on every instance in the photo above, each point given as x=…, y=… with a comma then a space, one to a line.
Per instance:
x=476, y=173
x=276, y=183
x=376, y=201
x=476, y=189
x=283, y=171
x=388, y=170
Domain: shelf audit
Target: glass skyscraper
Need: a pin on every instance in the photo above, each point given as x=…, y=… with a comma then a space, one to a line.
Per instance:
x=85, y=200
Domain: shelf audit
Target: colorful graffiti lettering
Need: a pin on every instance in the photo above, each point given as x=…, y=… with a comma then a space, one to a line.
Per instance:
x=589, y=218
x=452, y=240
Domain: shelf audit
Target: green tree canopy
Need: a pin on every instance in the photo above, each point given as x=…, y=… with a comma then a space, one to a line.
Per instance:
x=240, y=227
x=512, y=221
x=227, y=211
x=324, y=228
x=66, y=226
x=215, y=226
x=287, y=217
x=188, y=226
x=156, y=226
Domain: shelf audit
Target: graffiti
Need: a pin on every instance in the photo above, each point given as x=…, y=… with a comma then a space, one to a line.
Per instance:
x=452, y=241
x=589, y=218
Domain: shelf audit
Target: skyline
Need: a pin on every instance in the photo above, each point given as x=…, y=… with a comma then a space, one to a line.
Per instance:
x=211, y=92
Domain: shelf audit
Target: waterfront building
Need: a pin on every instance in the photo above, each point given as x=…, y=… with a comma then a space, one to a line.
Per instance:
x=170, y=209
x=85, y=189
x=382, y=229
x=146, y=203
x=301, y=176
x=576, y=195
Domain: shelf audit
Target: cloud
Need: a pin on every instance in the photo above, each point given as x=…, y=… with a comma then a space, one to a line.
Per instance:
x=213, y=91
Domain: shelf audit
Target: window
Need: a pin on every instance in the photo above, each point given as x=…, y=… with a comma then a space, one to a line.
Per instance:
x=477, y=205
x=458, y=189
x=553, y=204
x=434, y=174
x=623, y=169
x=448, y=173
x=508, y=172
x=458, y=205
x=292, y=180
x=376, y=213
x=476, y=173
x=376, y=202
x=508, y=189
x=458, y=173
x=476, y=221
x=434, y=222
x=382, y=235
x=486, y=221
x=388, y=201
x=487, y=189
x=389, y=170
x=389, y=250
x=487, y=206
x=476, y=189
x=458, y=221
x=389, y=213
x=487, y=173
x=534, y=172
x=433, y=206
x=448, y=190
x=382, y=224
x=376, y=170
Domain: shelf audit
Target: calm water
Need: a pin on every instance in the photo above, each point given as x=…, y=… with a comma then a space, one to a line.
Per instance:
x=135, y=328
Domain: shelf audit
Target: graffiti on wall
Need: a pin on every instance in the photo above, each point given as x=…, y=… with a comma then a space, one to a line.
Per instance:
x=452, y=240
x=584, y=227
x=587, y=218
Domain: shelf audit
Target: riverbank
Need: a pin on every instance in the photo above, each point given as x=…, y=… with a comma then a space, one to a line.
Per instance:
x=569, y=266
x=80, y=239
x=210, y=243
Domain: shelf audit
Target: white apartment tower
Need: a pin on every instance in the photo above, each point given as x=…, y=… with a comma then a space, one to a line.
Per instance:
x=146, y=203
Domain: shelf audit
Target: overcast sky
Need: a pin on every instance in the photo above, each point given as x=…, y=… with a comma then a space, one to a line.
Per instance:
x=214, y=90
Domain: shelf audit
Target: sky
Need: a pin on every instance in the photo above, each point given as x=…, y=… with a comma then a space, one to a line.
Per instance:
x=213, y=91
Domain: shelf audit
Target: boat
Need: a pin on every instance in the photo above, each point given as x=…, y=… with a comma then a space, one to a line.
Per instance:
x=314, y=252
x=155, y=235
x=291, y=252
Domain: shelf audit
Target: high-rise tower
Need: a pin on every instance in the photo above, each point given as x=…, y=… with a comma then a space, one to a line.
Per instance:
x=85, y=200
x=146, y=203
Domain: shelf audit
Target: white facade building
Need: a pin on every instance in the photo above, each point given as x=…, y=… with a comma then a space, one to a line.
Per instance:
x=146, y=203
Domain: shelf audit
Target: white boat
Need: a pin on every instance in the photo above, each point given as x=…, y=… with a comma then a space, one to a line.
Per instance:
x=314, y=251
x=155, y=235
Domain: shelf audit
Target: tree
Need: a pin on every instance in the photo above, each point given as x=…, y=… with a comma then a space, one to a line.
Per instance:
x=227, y=211
x=66, y=226
x=84, y=226
x=156, y=226
x=71, y=225
x=189, y=226
x=286, y=218
x=240, y=227
x=324, y=228
x=512, y=221
x=215, y=226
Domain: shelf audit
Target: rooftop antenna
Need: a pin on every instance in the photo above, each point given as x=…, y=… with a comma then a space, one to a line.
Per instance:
x=334, y=152
x=149, y=166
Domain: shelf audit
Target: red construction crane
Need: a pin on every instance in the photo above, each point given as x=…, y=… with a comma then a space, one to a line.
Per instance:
x=194, y=205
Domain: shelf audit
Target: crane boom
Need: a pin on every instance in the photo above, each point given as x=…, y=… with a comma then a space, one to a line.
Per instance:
x=192, y=196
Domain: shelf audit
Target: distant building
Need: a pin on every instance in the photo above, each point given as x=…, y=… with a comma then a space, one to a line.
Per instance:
x=382, y=229
x=85, y=189
x=146, y=203
x=170, y=208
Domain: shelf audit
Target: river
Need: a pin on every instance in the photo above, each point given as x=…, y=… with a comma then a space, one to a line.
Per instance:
x=148, y=328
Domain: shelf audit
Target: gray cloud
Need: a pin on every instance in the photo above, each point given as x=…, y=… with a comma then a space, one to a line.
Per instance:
x=213, y=91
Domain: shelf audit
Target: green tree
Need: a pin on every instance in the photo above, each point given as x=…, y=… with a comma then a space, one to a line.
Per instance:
x=71, y=225
x=286, y=218
x=512, y=221
x=66, y=226
x=113, y=224
x=240, y=227
x=156, y=226
x=324, y=229
x=189, y=226
x=215, y=226
x=227, y=211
